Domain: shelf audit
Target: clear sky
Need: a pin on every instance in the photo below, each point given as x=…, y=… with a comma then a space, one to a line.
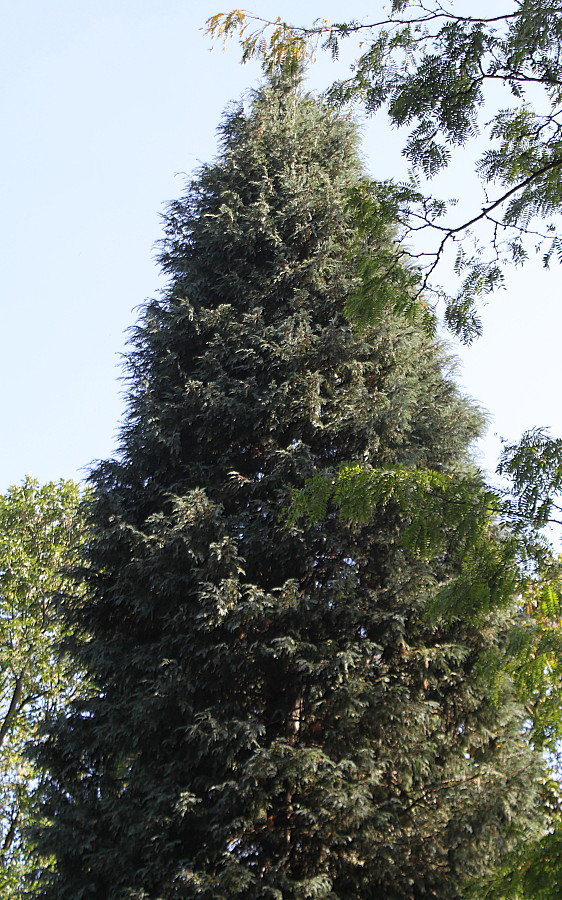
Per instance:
x=106, y=106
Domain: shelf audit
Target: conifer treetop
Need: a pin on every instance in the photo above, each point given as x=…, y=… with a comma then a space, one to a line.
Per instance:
x=274, y=713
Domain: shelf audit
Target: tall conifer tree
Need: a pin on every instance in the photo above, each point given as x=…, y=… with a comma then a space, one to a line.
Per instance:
x=274, y=714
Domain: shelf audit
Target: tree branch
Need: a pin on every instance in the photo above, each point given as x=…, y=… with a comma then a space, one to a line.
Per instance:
x=10, y=836
x=13, y=707
x=449, y=233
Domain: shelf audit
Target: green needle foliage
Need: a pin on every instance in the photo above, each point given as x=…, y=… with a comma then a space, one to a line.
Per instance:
x=275, y=714
x=39, y=526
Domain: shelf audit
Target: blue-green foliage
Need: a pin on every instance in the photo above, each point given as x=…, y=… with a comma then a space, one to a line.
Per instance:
x=275, y=714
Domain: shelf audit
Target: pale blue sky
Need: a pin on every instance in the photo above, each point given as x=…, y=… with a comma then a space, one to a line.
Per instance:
x=106, y=105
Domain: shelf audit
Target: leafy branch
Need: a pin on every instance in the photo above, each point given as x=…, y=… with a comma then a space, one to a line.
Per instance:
x=429, y=67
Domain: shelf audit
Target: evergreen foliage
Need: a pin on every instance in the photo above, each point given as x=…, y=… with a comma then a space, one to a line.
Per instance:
x=274, y=715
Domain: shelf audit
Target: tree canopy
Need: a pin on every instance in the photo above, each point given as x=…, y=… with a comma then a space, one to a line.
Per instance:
x=39, y=527
x=283, y=707
x=451, y=77
x=454, y=78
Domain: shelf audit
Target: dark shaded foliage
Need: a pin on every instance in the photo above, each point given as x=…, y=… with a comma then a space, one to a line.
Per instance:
x=275, y=716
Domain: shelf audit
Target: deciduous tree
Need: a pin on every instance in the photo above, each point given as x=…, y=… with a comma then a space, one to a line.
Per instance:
x=39, y=526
